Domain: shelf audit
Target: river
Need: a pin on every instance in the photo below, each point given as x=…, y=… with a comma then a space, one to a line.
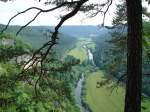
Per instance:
x=78, y=89
x=90, y=55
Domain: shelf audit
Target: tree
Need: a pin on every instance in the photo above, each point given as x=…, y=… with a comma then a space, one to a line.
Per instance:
x=134, y=46
x=134, y=56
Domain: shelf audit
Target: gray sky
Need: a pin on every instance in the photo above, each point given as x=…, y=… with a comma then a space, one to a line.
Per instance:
x=7, y=10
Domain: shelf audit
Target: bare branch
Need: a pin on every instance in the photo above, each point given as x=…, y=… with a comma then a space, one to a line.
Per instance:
x=28, y=23
x=94, y=9
x=17, y=15
x=34, y=60
x=40, y=11
x=110, y=3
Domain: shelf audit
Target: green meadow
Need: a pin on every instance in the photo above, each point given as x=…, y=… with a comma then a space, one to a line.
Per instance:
x=79, y=53
x=103, y=99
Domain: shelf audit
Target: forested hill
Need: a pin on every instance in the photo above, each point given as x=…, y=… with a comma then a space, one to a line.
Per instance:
x=36, y=36
x=84, y=31
x=70, y=30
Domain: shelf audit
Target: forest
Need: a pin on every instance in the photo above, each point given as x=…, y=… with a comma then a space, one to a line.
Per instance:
x=77, y=68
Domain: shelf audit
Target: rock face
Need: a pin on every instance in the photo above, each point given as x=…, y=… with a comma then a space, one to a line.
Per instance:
x=23, y=59
x=34, y=63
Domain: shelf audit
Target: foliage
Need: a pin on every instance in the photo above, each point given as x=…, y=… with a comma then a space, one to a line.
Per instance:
x=54, y=93
x=114, y=60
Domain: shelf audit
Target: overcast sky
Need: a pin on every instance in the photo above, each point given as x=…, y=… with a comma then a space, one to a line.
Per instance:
x=7, y=10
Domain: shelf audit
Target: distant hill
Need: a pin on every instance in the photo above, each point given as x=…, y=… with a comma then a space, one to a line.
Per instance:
x=83, y=31
x=36, y=35
x=72, y=30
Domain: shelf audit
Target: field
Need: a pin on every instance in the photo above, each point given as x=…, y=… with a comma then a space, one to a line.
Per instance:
x=102, y=100
x=79, y=53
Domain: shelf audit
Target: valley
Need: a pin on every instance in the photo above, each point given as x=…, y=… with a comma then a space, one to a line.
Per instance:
x=99, y=98
x=82, y=77
x=75, y=56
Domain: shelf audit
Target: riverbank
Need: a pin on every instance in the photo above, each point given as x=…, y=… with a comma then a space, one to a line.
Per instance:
x=90, y=96
x=104, y=99
x=78, y=95
x=81, y=51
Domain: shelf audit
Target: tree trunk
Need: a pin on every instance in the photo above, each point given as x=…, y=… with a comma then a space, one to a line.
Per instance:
x=134, y=56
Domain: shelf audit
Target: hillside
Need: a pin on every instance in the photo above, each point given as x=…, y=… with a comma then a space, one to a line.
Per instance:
x=36, y=36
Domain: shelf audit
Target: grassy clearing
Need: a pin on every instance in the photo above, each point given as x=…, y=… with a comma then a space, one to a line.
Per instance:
x=101, y=99
x=79, y=53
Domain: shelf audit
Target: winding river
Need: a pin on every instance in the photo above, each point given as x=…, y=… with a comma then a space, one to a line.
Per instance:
x=78, y=91
x=79, y=86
